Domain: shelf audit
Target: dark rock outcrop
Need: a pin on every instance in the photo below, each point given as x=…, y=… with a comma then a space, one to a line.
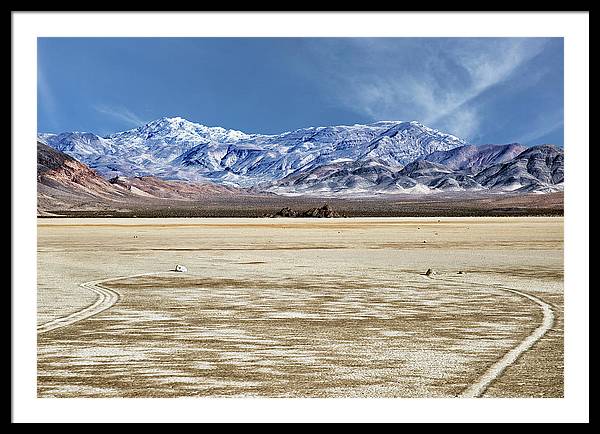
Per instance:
x=323, y=212
x=286, y=212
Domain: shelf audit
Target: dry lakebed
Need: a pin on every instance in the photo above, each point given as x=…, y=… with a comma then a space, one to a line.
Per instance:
x=288, y=307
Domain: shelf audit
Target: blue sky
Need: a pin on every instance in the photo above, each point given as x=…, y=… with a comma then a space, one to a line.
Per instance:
x=485, y=90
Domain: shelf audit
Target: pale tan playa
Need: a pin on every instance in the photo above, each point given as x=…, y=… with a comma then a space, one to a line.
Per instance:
x=301, y=307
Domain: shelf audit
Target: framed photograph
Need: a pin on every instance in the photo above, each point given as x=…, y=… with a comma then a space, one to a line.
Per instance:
x=364, y=219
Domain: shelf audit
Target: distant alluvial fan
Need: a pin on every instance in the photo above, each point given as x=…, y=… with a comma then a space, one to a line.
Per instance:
x=380, y=158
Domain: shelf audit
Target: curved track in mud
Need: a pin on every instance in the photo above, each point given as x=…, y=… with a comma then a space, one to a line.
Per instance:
x=478, y=388
x=106, y=299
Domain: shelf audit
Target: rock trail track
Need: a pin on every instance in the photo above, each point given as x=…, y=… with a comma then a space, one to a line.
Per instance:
x=478, y=388
x=107, y=298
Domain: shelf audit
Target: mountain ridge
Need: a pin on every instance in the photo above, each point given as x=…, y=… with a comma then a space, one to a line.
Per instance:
x=383, y=157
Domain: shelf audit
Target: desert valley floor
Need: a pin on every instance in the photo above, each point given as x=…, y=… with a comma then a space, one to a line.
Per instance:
x=300, y=307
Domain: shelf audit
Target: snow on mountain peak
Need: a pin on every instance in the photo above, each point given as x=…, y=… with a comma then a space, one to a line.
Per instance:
x=174, y=147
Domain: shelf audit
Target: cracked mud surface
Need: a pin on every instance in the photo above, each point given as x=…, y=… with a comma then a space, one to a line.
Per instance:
x=312, y=308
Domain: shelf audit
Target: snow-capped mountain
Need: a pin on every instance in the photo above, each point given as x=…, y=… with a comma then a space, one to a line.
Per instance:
x=540, y=168
x=82, y=146
x=64, y=183
x=379, y=158
x=473, y=158
x=179, y=149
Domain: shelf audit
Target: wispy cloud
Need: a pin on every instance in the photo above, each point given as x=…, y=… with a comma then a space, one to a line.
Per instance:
x=123, y=114
x=46, y=99
x=486, y=68
x=435, y=83
x=542, y=126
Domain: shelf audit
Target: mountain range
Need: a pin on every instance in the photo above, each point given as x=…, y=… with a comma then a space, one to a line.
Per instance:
x=382, y=158
x=65, y=183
